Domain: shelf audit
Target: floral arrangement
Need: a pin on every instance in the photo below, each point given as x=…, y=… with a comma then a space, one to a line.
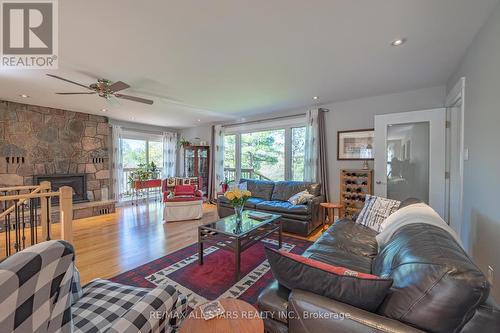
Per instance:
x=237, y=197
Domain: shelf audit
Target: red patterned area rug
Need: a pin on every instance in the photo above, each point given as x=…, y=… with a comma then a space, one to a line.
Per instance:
x=215, y=278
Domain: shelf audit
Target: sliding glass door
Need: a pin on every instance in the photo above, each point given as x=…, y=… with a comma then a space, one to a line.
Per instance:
x=138, y=151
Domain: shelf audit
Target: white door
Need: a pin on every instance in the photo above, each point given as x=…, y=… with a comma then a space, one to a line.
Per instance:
x=410, y=156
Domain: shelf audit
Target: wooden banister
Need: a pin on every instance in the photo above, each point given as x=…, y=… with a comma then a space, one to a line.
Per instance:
x=44, y=194
x=66, y=213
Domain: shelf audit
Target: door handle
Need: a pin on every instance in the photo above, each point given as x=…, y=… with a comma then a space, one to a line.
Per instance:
x=379, y=182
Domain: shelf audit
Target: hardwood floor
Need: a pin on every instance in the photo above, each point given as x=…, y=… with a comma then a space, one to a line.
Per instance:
x=111, y=244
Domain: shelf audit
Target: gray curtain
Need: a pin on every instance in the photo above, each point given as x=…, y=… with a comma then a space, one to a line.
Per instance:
x=322, y=155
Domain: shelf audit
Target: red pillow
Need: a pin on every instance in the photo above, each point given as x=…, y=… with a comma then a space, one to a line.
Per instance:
x=364, y=291
x=184, y=190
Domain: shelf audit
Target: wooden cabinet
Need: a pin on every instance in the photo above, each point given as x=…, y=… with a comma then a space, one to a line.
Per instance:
x=196, y=164
x=354, y=186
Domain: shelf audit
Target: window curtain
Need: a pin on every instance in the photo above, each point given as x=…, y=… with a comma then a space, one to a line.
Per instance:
x=169, y=141
x=217, y=172
x=117, y=166
x=315, y=159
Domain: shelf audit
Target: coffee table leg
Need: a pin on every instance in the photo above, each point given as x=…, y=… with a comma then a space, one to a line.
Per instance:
x=237, y=259
x=200, y=248
x=279, y=234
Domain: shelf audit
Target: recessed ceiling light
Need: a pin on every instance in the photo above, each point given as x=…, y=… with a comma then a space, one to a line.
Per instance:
x=398, y=42
x=24, y=96
x=104, y=110
x=199, y=120
x=315, y=98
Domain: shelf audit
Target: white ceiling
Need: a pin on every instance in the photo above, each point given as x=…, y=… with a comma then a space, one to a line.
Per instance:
x=206, y=61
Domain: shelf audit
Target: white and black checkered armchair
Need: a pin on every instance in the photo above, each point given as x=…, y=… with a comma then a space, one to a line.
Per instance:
x=40, y=292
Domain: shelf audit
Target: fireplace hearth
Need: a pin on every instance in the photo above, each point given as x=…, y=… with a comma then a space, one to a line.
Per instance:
x=76, y=181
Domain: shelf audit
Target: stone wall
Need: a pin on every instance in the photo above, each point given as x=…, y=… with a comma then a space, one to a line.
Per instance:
x=37, y=140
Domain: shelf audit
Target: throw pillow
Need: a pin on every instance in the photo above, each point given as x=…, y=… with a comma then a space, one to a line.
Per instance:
x=361, y=290
x=300, y=198
x=184, y=190
x=243, y=186
x=171, y=182
x=376, y=210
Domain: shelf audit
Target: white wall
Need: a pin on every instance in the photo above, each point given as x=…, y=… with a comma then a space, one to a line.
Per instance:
x=360, y=114
x=481, y=67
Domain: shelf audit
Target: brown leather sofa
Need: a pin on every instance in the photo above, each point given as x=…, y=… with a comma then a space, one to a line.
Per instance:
x=437, y=288
x=272, y=197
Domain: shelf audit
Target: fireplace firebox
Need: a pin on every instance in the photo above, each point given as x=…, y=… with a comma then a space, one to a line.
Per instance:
x=76, y=181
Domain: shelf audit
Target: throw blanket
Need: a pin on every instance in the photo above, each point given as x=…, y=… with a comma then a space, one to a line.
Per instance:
x=416, y=213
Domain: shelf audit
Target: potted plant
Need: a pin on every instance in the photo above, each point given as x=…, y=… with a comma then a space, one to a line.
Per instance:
x=184, y=143
x=237, y=198
x=225, y=184
x=143, y=173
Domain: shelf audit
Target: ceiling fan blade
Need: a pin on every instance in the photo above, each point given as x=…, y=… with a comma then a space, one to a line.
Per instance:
x=113, y=102
x=135, y=99
x=63, y=79
x=77, y=93
x=117, y=86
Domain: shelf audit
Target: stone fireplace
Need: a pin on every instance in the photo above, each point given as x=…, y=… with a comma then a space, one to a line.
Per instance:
x=65, y=147
x=75, y=181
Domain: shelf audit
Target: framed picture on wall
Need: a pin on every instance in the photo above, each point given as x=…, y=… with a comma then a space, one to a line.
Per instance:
x=355, y=144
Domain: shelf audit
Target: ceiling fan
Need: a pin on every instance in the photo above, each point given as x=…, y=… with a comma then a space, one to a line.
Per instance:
x=104, y=88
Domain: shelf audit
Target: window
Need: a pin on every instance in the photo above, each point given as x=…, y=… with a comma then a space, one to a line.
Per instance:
x=272, y=152
x=298, y=147
x=263, y=155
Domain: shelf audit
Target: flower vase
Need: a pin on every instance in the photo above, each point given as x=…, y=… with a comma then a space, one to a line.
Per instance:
x=238, y=212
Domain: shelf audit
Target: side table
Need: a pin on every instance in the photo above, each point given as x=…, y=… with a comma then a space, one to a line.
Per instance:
x=329, y=211
x=240, y=317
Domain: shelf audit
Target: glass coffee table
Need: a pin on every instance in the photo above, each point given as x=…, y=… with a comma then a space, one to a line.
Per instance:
x=236, y=237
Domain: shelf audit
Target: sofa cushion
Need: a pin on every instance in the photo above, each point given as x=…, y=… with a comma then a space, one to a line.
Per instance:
x=294, y=271
x=252, y=202
x=283, y=190
x=283, y=206
x=102, y=303
x=446, y=286
x=347, y=236
x=333, y=256
x=261, y=189
x=180, y=190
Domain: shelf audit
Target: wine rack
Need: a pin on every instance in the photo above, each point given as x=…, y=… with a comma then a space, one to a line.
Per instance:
x=354, y=186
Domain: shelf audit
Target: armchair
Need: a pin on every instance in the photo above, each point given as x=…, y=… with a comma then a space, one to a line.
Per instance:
x=39, y=293
x=182, y=202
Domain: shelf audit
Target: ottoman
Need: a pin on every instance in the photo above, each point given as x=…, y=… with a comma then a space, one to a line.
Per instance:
x=181, y=209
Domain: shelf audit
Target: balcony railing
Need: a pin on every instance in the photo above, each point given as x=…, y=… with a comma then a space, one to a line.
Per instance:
x=230, y=174
x=128, y=192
